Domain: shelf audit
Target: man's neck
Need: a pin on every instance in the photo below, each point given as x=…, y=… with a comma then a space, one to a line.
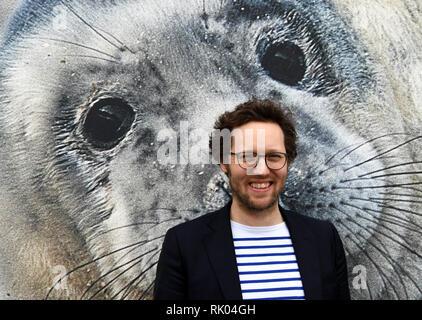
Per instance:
x=257, y=218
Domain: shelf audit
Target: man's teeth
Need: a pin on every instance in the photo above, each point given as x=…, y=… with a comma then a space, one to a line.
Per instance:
x=260, y=185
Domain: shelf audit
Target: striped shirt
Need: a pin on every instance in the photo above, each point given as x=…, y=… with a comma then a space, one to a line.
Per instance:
x=266, y=263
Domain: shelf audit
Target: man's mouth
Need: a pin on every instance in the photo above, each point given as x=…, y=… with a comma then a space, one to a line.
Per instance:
x=260, y=186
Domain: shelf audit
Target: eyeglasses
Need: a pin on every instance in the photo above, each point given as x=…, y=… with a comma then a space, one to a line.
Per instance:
x=249, y=160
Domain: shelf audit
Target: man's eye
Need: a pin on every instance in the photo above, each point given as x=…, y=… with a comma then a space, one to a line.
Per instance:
x=249, y=156
x=274, y=157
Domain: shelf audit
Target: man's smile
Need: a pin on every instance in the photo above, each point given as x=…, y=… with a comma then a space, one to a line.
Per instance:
x=260, y=186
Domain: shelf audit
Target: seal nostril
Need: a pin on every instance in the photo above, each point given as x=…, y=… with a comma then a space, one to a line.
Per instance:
x=332, y=205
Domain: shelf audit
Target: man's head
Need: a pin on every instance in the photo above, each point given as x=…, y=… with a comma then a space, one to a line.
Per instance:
x=260, y=111
x=258, y=161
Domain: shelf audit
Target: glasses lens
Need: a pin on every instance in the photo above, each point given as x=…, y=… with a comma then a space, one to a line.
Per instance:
x=247, y=159
x=275, y=161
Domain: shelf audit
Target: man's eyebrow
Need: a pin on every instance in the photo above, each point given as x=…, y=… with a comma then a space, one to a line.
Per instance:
x=266, y=151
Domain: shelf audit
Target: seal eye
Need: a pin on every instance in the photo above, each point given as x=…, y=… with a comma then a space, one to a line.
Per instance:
x=107, y=122
x=284, y=62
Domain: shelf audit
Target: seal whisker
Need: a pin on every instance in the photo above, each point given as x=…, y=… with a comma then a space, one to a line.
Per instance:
x=386, y=213
x=406, y=246
x=370, y=220
x=134, y=248
x=91, y=57
x=411, y=188
x=400, y=194
x=100, y=258
x=382, y=153
x=115, y=38
x=112, y=270
x=80, y=45
x=384, y=175
x=127, y=287
x=357, y=224
x=383, y=253
x=125, y=254
x=372, y=140
x=204, y=16
x=128, y=291
x=334, y=155
x=382, y=275
x=394, y=200
x=392, y=262
x=402, y=210
x=355, y=261
x=150, y=286
x=136, y=224
x=382, y=186
x=133, y=281
x=137, y=277
x=118, y=276
x=139, y=259
x=395, y=263
x=89, y=25
x=330, y=168
x=395, y=223
x=392, y=222
x=394, y=217
x=142, y=296
x=391, y=167
x=344, y=164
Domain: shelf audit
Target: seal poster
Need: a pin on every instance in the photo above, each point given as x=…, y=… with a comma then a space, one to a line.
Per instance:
x=93, y=92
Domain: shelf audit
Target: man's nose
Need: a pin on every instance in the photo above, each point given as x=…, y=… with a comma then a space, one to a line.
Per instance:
x=260, y=169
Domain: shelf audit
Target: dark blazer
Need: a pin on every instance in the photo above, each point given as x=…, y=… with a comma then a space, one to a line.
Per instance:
x=197, y=260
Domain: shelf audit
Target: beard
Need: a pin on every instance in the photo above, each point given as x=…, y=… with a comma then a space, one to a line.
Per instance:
x=246, y=200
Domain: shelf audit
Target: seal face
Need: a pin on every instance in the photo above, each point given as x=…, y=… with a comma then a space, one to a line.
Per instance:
x=90, y=90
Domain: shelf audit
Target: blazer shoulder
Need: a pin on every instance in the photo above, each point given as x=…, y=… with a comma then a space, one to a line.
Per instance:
x=196, y=223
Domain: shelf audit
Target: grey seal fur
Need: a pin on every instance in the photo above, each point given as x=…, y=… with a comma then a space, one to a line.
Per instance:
x=84, y=212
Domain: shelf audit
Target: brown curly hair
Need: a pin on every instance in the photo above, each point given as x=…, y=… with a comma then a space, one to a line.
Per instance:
x=264, y=110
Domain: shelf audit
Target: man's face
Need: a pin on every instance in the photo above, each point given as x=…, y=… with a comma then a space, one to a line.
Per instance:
x=257, y=188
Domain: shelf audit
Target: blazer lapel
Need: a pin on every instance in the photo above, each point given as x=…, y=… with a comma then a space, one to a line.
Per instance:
x=220, y=249
x=306, y=255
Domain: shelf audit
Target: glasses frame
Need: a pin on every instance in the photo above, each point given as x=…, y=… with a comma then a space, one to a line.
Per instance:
x=258, y=158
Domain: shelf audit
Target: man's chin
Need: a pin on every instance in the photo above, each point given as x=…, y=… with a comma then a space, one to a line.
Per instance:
x=258, y=205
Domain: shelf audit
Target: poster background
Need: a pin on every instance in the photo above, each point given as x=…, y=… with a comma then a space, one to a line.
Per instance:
x=5, y=8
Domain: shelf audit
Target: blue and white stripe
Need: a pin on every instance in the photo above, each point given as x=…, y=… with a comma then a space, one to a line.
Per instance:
x=266, y=263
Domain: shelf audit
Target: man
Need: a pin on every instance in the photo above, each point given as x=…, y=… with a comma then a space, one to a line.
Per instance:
x=252, y=248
